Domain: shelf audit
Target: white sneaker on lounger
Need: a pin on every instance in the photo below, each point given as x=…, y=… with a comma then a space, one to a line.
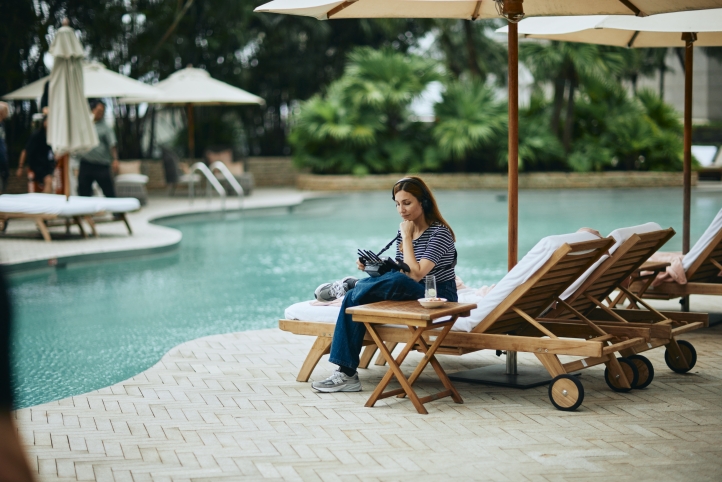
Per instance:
x=338, y=382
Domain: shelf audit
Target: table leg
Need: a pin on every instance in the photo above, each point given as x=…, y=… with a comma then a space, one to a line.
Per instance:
x=431, y=358
x=394, y=370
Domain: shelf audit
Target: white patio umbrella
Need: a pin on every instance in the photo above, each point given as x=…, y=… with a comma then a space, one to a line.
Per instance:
x=513, y=11
x=98, y=82
x=191, y=87
x=681, y=29
x=70, y=129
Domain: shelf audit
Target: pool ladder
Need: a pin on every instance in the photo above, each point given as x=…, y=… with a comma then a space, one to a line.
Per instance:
x=213, y=181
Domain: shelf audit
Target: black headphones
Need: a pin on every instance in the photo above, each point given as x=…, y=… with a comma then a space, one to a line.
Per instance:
x=425, y=199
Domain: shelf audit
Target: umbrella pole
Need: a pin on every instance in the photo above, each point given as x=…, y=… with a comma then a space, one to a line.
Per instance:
x=513, y=161
x=508, y=375
x=191, y=133
x=689, y=39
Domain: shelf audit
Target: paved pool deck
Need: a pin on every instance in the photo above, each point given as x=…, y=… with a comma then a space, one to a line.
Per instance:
x=227, y=407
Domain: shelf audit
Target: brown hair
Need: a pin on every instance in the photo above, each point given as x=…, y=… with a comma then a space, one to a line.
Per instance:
x=418, y=188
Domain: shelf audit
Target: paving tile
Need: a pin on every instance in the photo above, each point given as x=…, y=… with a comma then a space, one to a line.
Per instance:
x=227, y=407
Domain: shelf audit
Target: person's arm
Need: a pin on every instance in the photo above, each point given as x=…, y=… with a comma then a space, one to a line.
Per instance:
x=23, y=155
x=418, y=269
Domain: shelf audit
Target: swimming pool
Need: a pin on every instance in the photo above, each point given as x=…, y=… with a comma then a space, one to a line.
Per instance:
x=87, y=327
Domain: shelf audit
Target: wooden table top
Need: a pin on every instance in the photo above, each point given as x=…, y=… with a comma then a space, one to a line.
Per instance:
x=410, y=310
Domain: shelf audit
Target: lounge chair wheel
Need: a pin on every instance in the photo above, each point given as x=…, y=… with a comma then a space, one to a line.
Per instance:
x=630, y=371
x=566, y=393
x=645, y=369
x=690, y=354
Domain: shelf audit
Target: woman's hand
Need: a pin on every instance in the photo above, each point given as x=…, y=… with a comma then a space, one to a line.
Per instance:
x=360, y=265
x=407, y=229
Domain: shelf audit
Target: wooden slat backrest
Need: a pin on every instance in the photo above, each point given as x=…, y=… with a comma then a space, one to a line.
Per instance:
x=534, y=296
x=618, y=267
x=703, y=269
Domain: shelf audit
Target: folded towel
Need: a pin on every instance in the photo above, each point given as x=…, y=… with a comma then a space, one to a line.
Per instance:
x=674, y=273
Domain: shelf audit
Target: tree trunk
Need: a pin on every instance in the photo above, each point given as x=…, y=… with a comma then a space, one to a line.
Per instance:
x=662, y=71
x=471, y=50
x=569, y=120
x=559, y=85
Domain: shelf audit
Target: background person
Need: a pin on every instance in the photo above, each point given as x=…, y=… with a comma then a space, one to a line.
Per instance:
x=96, y=164
x=4, y=162
x=40, y=159
x=427, y=247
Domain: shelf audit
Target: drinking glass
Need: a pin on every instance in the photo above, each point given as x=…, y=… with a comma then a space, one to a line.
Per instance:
x=430, y=286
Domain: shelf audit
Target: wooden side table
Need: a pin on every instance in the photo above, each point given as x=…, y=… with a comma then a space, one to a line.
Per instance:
x=418, y=320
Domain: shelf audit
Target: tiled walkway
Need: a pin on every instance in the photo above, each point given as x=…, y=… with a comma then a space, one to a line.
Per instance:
x=227, y=407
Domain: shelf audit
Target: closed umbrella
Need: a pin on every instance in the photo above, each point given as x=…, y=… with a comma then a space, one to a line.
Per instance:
x=70, y=129
x=189, y=87
x=681, y=29
x=98, y=82
x=513, y=11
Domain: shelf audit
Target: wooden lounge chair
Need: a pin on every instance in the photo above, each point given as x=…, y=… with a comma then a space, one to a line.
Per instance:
x=703, y=265
x=47, y=208
x=513, y=324
x=586, y=305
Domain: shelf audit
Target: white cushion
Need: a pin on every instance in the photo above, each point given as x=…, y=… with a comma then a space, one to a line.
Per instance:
x=528, y=265
x=74, y=206
x=131, y=178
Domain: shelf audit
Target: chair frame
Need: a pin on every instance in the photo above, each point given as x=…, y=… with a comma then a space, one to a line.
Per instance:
x=702, y=276
x=516, y=324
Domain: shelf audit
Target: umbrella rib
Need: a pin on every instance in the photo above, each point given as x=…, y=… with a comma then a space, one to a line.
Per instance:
x=631, y=40
x=338, y=8
x=633, y=8
x=475, y=15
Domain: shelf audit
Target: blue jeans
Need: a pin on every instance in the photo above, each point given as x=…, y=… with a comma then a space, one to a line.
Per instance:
x=348, y=335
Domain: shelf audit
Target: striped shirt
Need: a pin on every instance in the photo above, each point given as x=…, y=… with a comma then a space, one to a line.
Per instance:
x=437, y=245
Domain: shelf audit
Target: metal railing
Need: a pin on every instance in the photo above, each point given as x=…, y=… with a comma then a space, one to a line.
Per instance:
x=226, y=173
x=211, y=180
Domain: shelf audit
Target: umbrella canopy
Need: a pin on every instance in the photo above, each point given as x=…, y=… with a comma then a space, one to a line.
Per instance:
x=195, y=86
x=656, y=31
x=680, y=29
x=469, y=9
x=70, y=129
x=191, y=87
x=98, y=82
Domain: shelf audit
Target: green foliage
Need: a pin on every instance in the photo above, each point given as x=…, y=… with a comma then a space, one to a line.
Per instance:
x=362, y=123
x=468, y=118
x=622, y=132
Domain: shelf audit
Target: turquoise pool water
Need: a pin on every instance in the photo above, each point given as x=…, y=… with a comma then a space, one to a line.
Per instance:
x=87, y=327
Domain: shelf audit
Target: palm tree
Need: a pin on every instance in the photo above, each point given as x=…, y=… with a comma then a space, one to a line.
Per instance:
x=467, y=118
x=569, y=65
x=387, y=81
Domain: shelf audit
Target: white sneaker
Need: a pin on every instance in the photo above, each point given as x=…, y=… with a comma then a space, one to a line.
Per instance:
x=338, y=382
x=337, y=289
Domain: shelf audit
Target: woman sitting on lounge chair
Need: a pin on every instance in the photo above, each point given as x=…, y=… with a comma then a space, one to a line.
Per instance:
x=427, y=247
